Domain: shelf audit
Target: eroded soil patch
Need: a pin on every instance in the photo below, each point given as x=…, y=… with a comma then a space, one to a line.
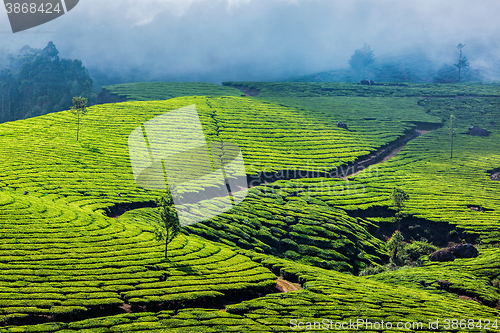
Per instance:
x=285, y=286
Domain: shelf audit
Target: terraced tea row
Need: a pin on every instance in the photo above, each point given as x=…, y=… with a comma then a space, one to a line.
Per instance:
x=155, y=91
x=283, y=223
x=96, y=170
x=277, y=138
x=477, y=277
x=328, y=298
x=441, y=189
x=313, y=89
x=60, y=261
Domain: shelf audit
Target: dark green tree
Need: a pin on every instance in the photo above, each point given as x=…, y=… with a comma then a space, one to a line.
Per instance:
x=37, y=82
x=395, y=246
x=79, y=108
x=361, y=59
x=462, y=61
x=168, y=226
x=399, y=197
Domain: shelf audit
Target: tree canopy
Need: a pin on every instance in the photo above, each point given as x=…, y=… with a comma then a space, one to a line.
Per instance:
x=168, y=225
x=361, y=59
x=38, y=82
x=79, y=108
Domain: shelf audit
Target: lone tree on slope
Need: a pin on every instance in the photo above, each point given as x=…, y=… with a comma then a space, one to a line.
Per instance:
x=399, y=197
x=395, y=246
x=361, y=59
x=462, y=61
x=79, y=108
x=168, y=226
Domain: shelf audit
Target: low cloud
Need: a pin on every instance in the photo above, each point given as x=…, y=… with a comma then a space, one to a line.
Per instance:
x=216, y=40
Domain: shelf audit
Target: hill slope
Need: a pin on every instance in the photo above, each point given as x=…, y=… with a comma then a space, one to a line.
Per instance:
x=67, y=263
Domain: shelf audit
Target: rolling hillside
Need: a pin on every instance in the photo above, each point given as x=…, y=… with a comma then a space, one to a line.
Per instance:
x=78, y=251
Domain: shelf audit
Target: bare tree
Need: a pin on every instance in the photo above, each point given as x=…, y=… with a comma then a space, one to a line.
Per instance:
x=462, y=61
x=79, y=108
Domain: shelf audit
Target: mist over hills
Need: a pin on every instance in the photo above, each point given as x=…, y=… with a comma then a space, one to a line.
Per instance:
x=415, y=66
x=241, y=40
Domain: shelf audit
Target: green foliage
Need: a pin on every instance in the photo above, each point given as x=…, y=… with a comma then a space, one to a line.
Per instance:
x=279, y=90
x=448, y=74
x=60, y=255
x=289, y=226
x=372, y=270
x=452, y=134
x=398, y=197
x=414, y=251
x=362, y=59
x=462, y=61
x=395, y=246
x=474, y=277
x=168, y=226
x=151, y=91
x=38, y=82
x=392, y=297
x=79, y=108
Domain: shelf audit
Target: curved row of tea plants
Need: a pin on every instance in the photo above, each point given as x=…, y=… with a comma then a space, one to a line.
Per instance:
x=283, y=223
x=327, y=295
x=60, y=261
x=476, y=277
x=276, y=138
x=96, y=170
x=441, y=189
x=155, y=91
x=325, y=89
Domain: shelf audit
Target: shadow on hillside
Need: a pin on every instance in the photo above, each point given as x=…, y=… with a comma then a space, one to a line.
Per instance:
x=120, y=208
x=413, y=228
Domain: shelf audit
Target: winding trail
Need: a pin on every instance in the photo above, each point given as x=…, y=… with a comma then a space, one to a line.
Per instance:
x=383, y=154
x=389, y=153
x=286, y=286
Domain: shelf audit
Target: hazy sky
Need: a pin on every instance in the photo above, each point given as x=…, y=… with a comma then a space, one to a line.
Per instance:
x=217, y=40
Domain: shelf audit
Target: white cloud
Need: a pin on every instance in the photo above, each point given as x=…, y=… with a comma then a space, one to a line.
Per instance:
x=259, y=39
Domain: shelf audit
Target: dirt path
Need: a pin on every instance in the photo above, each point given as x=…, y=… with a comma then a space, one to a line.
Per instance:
x=391, y=152
x=286, y=286
x=282, y=286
